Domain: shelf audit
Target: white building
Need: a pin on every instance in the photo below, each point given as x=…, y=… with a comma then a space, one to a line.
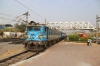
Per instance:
x=13, y=34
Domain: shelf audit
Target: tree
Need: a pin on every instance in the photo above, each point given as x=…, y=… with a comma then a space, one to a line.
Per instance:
x=1, y=33
x=20, y=27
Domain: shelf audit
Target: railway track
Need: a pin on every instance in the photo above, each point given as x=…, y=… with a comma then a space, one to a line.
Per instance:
x=13, y=40
x=18, y=57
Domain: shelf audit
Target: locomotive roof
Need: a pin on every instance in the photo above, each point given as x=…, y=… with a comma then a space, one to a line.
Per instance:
x=43, y=25
x=37, y=25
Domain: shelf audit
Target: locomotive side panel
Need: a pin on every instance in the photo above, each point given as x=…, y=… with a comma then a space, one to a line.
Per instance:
x=53, y=34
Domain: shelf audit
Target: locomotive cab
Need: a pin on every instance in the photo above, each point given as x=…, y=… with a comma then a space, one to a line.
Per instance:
x=36, y=35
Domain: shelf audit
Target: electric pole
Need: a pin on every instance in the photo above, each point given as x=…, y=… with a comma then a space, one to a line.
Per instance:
x=0, y=21
x=45, y=21
x=27, y=14
x=97, y=27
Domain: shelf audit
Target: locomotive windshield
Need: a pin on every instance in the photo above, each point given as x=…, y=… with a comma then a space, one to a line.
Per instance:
x=35, y=28
x=29, y=27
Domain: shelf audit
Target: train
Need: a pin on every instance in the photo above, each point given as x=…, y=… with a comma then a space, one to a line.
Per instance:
x=40, y=36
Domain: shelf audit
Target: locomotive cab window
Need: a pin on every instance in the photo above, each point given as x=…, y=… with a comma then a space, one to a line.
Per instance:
x=29, y=27
x=45, y=29
x=36, y=28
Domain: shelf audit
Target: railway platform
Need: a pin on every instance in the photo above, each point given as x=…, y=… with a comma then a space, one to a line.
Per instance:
x=65, y=54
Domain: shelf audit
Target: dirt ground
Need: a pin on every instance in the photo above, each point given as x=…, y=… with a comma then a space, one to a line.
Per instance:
x=8, y=49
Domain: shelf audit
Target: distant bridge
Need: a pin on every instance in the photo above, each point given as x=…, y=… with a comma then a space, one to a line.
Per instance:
x=71, y=25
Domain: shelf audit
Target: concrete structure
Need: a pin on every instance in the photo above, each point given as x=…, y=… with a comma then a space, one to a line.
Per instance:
x=71, y=25
x=13, y=34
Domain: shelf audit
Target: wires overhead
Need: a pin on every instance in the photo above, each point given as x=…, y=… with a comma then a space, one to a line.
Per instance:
x=16, y=19
x=7, y=15
x=29, y=9
x=9, y=19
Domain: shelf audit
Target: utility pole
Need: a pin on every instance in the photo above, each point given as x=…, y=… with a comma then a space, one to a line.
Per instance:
x=20, y=19
x=97, y=27
x=45, y=21
x=26, y=16
x=0, y=21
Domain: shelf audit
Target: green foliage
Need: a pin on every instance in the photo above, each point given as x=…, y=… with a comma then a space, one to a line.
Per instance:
x=1, y=32
x=85, y=39
x=90, y=37
x=16, y=28
x=8, y=30
x=73, y=37
x=94, y=34
x=82, y=39
x=20, y=27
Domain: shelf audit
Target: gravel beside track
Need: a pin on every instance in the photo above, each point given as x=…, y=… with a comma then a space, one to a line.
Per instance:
x=8, y=47
x=16, y=58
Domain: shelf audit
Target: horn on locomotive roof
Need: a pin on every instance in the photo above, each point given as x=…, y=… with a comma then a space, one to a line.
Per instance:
x=33, y=23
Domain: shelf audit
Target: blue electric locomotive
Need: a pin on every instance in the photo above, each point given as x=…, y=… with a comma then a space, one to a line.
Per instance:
x=39, y=37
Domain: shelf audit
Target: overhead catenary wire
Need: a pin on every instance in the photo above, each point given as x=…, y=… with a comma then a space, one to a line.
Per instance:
x=9, y=19
x=7, y=15
x=11, y=15
x=29, y=9
x=18, y=17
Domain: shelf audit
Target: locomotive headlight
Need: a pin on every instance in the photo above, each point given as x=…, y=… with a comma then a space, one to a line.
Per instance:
x=27, y=36
x=40, y=35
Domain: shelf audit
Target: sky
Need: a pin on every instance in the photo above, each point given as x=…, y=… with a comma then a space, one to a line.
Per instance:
x=52, y=10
